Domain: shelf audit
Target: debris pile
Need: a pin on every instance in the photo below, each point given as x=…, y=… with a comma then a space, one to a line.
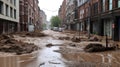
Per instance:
x=64, y=38
x=94, y=38
x=99, y=48
x=75, y=39
x=35, y=34
x=8, y=44
x=94, y=48
x=31, y=34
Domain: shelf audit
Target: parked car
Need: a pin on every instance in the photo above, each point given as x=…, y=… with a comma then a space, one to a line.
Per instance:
x=55, y=28
x=61, y=29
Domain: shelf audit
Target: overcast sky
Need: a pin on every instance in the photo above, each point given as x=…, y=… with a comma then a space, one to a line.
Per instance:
x=50, y=7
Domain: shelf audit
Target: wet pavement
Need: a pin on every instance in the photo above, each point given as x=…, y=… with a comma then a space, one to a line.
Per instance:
x=62, y=54
x=47, y=56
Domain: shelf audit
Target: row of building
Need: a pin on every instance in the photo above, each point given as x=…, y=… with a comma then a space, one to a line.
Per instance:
x=101, y=17
x=20, y=15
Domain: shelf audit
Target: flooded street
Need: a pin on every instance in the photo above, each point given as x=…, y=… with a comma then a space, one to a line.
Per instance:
x=47, y=57
x=64, y=53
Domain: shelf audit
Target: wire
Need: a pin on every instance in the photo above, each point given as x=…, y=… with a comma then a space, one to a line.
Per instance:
x=50, y=10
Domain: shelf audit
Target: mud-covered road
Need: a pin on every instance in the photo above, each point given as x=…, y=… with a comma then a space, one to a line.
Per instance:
x=65, y=53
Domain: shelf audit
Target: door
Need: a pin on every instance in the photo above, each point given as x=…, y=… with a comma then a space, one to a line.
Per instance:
x=119, y=27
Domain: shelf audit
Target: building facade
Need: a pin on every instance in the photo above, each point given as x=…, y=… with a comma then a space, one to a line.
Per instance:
x=43, y=19
x=29, y=15
x=101, y=17
x=62, y=12
x=9, y=16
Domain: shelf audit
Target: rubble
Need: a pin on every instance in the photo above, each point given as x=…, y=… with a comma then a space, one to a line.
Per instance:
x=31, y=34
x=75, y=39
x=72, y=44
x=99, y=48
x=95, y=38
x=8, y=44
x=64, y=38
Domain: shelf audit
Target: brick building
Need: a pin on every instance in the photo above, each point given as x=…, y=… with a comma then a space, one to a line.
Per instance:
x=100, y=17
x=9, y=16
x=62, y=12
x=43, y=19
x=29, y=15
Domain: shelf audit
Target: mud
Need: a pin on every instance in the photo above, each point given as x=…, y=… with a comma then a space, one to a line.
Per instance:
x=9, y=45
x=31, y=34
x=66, y=53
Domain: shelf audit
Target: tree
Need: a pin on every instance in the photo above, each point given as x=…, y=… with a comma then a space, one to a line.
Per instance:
x=55, y=21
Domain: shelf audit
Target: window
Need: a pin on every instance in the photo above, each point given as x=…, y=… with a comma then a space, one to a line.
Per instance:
x=14, y=2
x=14, y=13
x=103, y=5
x=7, y=10
x=110, y=4
x=11, y=1
x=1, y=7
x=95, y=8
x=118, y=3
x=11, y=12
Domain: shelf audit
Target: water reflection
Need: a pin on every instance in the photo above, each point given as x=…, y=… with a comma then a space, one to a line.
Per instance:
x=50, y=58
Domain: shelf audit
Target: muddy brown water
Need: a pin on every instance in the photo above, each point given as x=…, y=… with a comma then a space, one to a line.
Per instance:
x=47, y=57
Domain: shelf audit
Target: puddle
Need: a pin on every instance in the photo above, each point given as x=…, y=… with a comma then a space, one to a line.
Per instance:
x=50, y=58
